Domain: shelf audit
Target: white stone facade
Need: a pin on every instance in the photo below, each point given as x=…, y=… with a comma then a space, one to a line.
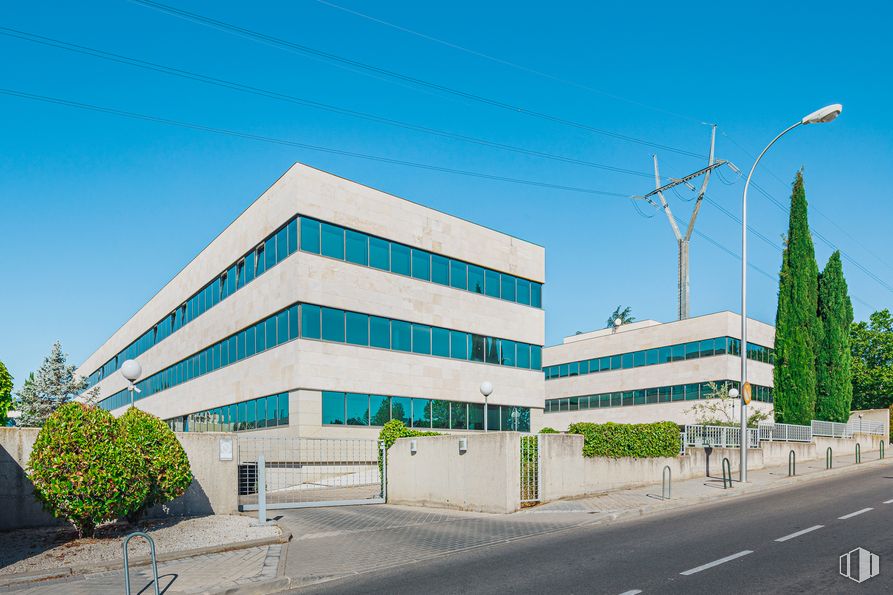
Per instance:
x=303, y=368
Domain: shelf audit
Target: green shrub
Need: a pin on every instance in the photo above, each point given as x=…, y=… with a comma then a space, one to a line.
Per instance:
x=85, y=470
x=640, y=441
x=165, y=459
x=397, y=429
x=548, y=430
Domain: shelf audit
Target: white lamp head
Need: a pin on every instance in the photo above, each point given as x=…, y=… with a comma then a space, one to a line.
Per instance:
x=820, y=116
x=617, y=322
x=486, y=388
x=131, y=370
x=733, y=393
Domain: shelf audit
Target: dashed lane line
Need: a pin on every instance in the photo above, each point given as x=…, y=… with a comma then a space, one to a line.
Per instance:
x=632, y=592
x=799, y=533
x=852, y=514
x=888, y=501
x=716, y=563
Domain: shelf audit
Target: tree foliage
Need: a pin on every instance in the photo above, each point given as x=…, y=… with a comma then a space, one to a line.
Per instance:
x=5, y=393
x=84, y=468
x=53, y=385
x=640, y=441
x=871, y=344
x=169, y=474
x=834, y=375
x=624, y=315
x=797, y=328
x=718, y=409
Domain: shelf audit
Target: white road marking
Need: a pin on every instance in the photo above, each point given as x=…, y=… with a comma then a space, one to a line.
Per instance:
x=632, y=592
x=716, y=562
x=852, y=514
x=888, y=501
x=799, y=533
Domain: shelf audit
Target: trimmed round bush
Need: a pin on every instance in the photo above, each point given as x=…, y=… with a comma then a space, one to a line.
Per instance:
x=548, y=430
x=85, y=470
x=169, y=474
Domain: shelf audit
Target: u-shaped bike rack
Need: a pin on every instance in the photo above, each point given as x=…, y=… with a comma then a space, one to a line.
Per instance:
x=726, y=473
x=127, y=565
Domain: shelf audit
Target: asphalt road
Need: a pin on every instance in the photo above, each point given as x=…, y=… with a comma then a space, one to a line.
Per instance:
x=729, y=547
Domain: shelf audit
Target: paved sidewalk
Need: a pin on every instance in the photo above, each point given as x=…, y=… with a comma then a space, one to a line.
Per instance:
x=210, y=573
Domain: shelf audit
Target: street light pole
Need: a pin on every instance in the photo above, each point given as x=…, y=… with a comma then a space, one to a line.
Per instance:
x=131, y=370
x=486, y=390
x=826, y=114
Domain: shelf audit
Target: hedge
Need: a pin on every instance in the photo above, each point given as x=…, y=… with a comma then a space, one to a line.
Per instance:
x=639, y=441
x=397, y=429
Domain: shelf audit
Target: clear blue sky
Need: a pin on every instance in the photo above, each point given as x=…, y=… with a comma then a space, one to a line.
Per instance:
x=99, y=211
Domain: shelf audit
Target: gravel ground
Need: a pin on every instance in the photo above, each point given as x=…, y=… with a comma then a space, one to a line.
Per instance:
x=27, y=550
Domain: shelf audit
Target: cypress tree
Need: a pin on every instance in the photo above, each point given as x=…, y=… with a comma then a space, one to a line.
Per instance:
x=797, y=328
x=834, y=373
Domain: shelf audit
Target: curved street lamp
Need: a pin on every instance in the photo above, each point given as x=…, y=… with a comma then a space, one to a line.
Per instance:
x=820, y=116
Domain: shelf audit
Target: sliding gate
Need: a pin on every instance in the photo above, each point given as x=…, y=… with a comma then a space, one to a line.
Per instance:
x=305, y=472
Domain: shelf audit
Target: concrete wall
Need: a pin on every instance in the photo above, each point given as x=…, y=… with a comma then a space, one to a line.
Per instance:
x=486, y=478
x=213, y=489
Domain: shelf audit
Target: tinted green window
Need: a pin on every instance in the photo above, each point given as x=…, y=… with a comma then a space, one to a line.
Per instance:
x=627, y=360
x=478, y=348
x=261, y=333
x=250, y=338
x=523, y=291
x=332, y=241
x=421, y=264
x=400, y=262
x=510, y=418
x=604, y=364
x=692, y=350
x=573, y=369
x=259, y=260
x=692, y=392
x=440, y=342
x=440, y=414
x=401, y=339
x=677, y=392
x=269, y=252
x=508, y=288
x=706, y=347
x=639, y=358
x=475, y=279
x=508, y=352
x=563, y=370
x=678, y=353
x=379, y=254
x=536, y=357
x=421, y=339
x=458, y=345
x=249, y=270
x=421, y=413
x=663, y=355
x=401, y=408
x=292, y=240
x=593, y=366
x=310, y=326
x=261, y=408
x=271, y=332
x=332, y=407
x=493, y=418
x=379, y=410
x=272, y=405
x=357, y=328
x=309, y=235
x=379, y=332
x=491, y=283
x=357, y=247
x=293, y=322
x=475, y=416
x=615, y=362
x=536, y=295
x=458, y=416
x=458, y=274
x=357, y=410
x=282, y=244
x=523, y=355
x=493, y=349
x=333, y=325
x=651, y=357
x=283, y=409
x=250, y=413
x=440, y=269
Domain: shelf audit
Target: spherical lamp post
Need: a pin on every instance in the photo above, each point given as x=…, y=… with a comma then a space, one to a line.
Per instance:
x=131, y=371
x=486, y=390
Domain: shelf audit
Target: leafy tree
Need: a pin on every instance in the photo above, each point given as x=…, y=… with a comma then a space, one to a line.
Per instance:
x=797, y=328
x=54, y=384
x=718, y=409
x=620, y=313
x=834, y=374
x=5, y=394
x=871, y=344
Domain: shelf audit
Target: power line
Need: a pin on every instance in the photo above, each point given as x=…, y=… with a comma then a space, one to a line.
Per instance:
x=292, y=46
x=118, y=58
x=505, y=62
x=289, y=143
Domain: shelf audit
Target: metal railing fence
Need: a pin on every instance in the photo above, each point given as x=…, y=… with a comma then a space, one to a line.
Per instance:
x=719, y=436
x=833, y=429
x=785, y=432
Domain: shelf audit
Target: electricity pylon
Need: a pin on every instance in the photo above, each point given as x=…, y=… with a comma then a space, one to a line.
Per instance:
x=682, y=241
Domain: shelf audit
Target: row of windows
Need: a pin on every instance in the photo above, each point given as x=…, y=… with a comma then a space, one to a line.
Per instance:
x=661, y=355
x=355, y=409
x=330, y=324
x=360, y=248
x=273, y=250
x=256, y=414
x=647, y=396
x=336, y=242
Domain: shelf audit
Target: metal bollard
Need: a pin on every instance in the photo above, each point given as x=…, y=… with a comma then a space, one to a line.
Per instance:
x=127, y=564
x=858, y=453
x=828, y=458
x=261, y=490
x=792, y=464
x=665, y=487
x=882, y=449
x=726, y=473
